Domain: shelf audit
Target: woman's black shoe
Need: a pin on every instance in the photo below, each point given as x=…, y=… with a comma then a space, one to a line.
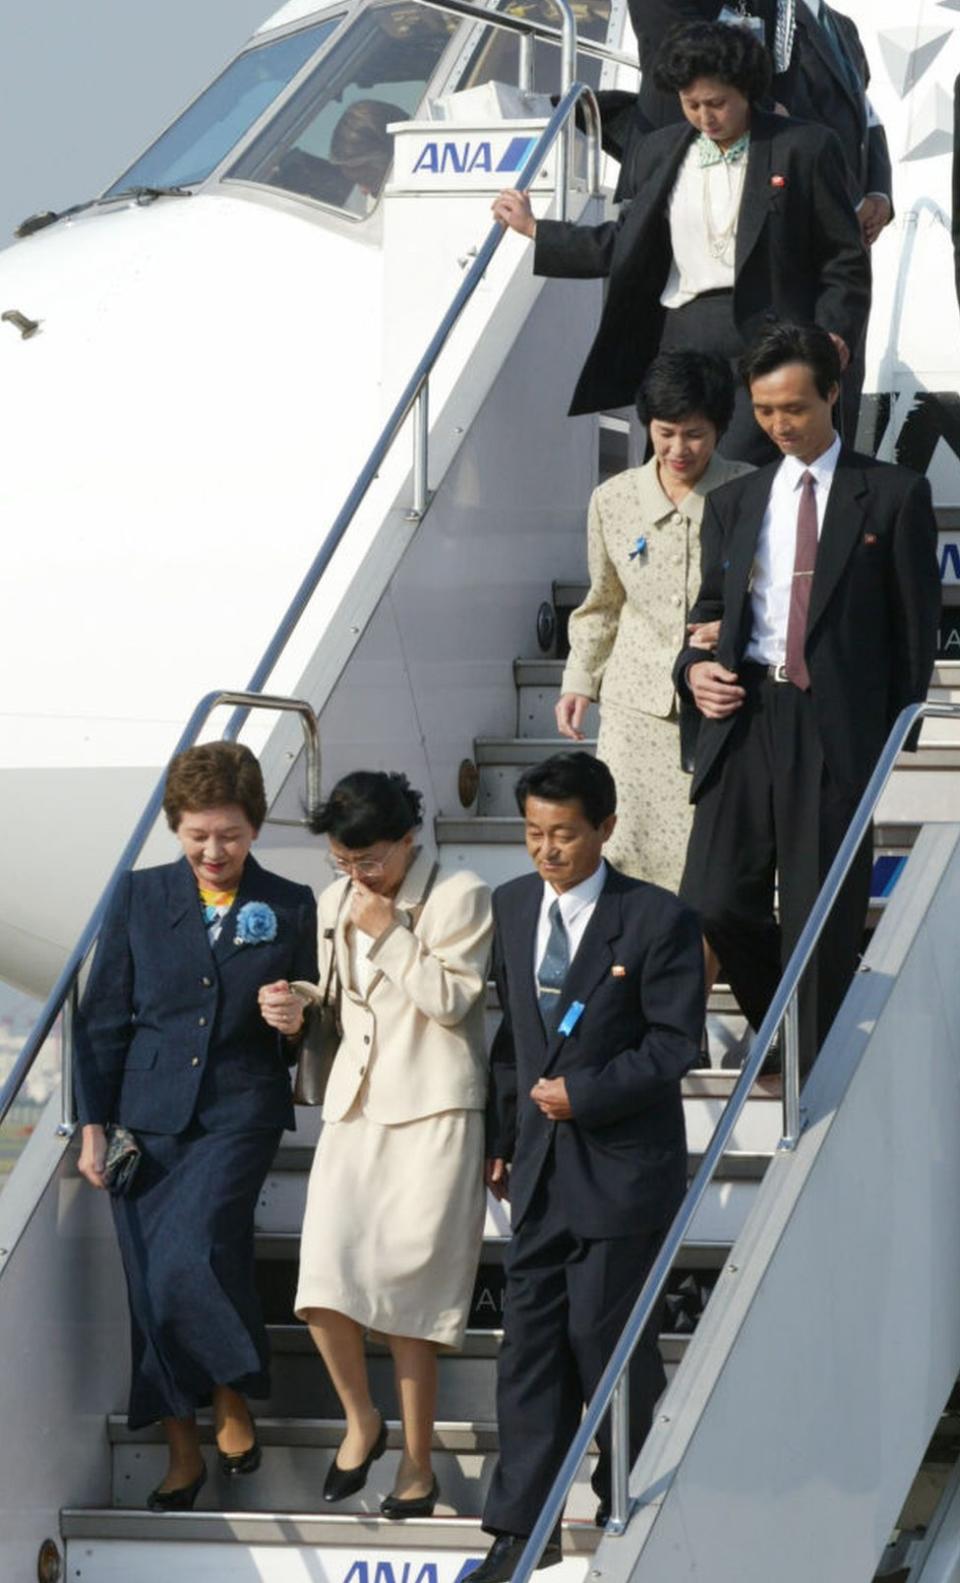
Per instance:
x=341, y=1482
x=181, y=1500
x=395, y=1507
x=244, y=1462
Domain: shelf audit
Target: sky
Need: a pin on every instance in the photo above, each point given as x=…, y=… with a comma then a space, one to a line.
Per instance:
x=85, y=85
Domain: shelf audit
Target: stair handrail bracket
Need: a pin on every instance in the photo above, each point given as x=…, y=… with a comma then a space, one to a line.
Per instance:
x=612, y=1392
x=65, y=993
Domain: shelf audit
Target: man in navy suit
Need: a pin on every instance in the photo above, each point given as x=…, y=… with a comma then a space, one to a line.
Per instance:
x=602, y=989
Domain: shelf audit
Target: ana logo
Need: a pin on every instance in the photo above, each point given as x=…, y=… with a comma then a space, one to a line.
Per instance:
x=949, y=561
x=409, y=1572
x=461, y=159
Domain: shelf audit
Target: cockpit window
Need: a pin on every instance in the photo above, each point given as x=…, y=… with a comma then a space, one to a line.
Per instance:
x=495, y=59
x=204, y=135
x=330, y=141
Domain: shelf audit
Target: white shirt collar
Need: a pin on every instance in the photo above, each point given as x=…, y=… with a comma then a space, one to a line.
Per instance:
x=579, y=896
x=814, y=6
x=823, y=469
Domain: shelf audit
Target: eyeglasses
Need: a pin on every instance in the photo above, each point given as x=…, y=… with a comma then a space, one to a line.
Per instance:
x=363, y=867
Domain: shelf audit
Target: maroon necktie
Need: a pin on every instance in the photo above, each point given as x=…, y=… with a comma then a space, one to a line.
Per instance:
x=804, y=560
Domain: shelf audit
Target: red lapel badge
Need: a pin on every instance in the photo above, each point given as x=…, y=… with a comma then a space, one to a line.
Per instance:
x=617, y=971
x=869, y=538
x=778, y=181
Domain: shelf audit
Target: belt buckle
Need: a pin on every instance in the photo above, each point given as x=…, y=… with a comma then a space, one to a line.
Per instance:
x=778, y=673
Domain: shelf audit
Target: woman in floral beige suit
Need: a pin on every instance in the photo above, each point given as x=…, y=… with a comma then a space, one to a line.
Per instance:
x=644, y=561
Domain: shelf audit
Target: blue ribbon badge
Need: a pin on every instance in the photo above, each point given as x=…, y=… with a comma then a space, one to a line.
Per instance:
x=571, y=1017
x=639, y=549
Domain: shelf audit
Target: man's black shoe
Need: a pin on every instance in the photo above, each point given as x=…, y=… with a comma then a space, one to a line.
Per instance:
x=501, y=1560
x=603, y=1514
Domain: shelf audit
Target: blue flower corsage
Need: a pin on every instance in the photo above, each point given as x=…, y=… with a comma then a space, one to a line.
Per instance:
x=640, y=548
x=256, y=924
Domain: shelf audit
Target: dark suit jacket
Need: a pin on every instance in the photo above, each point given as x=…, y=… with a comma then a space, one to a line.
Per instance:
x=815, y=88
x=169, y=1031
x=799, y=254
x=621, y=1161
x=874, y=606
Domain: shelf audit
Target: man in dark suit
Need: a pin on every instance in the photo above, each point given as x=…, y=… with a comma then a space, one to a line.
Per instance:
x=601, y=986
x=822, y=572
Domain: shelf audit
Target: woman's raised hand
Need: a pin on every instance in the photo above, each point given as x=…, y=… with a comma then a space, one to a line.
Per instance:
x=280, y=1008
x=570, y=711
x=512, y=209
x=93, y=1153
x=370, y=912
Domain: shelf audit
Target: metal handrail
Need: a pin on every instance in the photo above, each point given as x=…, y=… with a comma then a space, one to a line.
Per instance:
x=613, y=1386
x=63, y=996
x=529, y=28
x=416, y=391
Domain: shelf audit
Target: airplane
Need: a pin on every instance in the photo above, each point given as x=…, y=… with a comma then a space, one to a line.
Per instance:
x=196, y=369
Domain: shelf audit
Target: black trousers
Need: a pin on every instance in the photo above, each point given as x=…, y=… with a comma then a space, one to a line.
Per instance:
x=566, y=1303
x=769, y=816
x=706, y=325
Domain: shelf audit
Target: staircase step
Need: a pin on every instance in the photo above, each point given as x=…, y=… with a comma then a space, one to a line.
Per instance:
x=523, y=751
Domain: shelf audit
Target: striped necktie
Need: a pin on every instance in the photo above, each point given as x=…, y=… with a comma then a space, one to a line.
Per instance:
x=553, y=969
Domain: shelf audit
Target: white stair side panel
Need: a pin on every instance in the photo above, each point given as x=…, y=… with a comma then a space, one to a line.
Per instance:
x=832, y=1339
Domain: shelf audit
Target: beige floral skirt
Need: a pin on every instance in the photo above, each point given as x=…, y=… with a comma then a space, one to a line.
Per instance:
x=394, y=1223
x=653, y=808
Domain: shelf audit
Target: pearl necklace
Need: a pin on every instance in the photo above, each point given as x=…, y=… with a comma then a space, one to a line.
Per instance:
x=720, y=239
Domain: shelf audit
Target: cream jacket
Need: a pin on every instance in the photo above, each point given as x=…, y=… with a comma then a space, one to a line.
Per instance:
x=630, y=628
x=417, y=1039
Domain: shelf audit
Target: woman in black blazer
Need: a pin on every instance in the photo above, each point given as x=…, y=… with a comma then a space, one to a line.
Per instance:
x=171, y=1045
x=739, y=218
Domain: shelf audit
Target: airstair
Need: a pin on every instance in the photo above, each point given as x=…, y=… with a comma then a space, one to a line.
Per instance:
x=812, y=1309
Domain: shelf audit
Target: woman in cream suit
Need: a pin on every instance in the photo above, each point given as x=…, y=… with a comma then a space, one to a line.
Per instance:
x=644, y=558
x=394, y=1219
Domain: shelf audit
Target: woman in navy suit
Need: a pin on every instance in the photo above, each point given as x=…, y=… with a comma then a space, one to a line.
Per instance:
x=171, y=1045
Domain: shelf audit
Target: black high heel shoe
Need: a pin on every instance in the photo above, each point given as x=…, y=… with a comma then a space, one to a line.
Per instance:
x=244, y=1461
x=181, y=1500
x=396, y=1507
x=341, y=1482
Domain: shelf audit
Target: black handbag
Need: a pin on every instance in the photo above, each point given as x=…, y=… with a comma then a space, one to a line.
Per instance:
x=321, y=1036
x=121, y=1161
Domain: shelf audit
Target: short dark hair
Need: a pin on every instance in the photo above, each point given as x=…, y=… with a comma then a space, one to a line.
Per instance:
x=785, y=343
x=368, y=806
x=571, y=777
x=680, y=385
x=722, y=50
x=213, y=775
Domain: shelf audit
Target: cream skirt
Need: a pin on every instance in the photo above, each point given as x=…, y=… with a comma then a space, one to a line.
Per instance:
x=394, y=1222
x=654, y=813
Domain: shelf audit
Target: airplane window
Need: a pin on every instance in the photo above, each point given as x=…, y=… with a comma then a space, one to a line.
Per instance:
x=495, y=59
x=330, y=141
x=204, y=135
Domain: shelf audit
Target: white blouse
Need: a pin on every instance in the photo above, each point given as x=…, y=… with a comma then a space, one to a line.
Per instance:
x=704, y=213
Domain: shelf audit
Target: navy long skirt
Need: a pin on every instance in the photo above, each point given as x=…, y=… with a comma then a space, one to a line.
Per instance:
x=186, y=1239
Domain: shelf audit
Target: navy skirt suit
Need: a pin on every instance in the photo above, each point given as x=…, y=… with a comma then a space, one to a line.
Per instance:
x=171, y=1044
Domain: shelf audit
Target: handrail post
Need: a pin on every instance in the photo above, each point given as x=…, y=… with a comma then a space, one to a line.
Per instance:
x=791, y=1074
x=568, y=66
x=525, y=74
x=421, y=444
x=620, y=1456
x=68, y=1022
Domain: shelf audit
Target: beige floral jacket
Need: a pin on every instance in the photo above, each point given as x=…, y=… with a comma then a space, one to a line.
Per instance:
x=630, y=628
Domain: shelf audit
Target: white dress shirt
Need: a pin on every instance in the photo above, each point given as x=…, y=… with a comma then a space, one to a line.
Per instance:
x=772, y=574
x=576, y=910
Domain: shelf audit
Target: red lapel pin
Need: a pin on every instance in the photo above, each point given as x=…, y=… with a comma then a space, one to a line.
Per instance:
x=778, y=181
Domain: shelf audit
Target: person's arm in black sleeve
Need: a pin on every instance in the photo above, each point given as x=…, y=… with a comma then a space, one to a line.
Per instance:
x=501, y=1129
x=305, y=967
x=843, y=267
x=709, y=602
x=915, y=592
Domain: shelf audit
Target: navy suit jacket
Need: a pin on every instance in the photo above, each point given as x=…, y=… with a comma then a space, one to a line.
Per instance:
x=621, y=1162
x=874, y=607
x=169, y=1030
